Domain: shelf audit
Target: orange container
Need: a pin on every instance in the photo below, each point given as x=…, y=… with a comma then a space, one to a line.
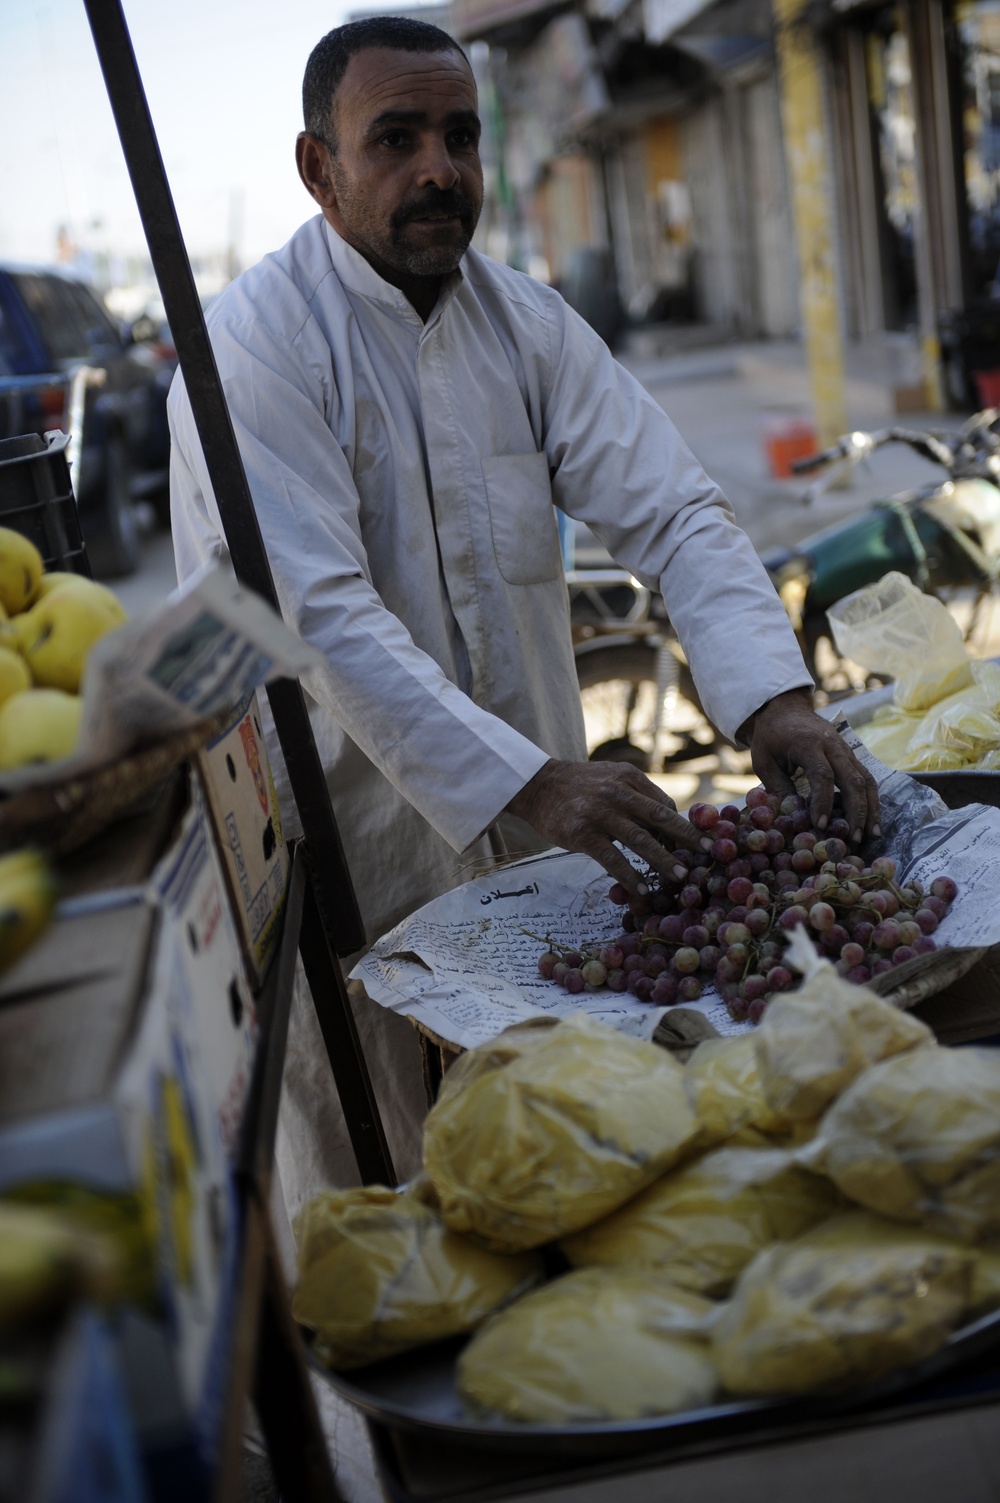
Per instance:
x=785, y=440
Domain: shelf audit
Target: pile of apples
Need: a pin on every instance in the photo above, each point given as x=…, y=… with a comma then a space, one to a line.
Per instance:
x=48, y=625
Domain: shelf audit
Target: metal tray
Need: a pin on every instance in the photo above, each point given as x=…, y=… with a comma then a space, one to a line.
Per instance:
x=417, y=1393
x=963, y=785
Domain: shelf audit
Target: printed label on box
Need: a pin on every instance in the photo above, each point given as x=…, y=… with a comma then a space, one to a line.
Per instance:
x=244, y=807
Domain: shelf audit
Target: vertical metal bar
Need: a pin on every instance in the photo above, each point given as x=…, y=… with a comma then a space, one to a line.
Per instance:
x=255, y=1153
x=331, y=885
x=337, y=1025
x=283, y=1394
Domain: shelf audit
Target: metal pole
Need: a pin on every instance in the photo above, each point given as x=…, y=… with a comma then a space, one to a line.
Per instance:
x=330, y=878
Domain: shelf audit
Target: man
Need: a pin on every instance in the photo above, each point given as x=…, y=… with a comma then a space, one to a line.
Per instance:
x=409, y=413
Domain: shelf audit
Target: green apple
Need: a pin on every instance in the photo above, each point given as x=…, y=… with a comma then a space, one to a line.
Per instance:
x=55, y=637
x=87, y=589
x=38, y=725
x=20, y=570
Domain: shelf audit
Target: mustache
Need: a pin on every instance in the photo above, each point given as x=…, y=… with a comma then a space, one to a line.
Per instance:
x=443, y=201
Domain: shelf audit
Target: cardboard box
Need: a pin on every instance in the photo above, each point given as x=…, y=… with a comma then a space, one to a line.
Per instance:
x=127, y=1037
x=240, y=790
x=68, y=1010
x=115, y=1098
x=215, y=998
x=92, y=967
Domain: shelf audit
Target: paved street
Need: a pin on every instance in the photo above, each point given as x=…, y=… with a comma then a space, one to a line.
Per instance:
x=154, y=580
x=722, y=399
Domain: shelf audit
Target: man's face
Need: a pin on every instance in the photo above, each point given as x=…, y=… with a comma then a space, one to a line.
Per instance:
x=406, y=177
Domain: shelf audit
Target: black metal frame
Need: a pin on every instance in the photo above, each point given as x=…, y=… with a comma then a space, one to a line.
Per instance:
x=266, y=1356
x=331, y=922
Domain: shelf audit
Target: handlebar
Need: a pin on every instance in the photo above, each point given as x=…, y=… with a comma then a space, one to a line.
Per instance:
x=816, y=461
x=855, y=446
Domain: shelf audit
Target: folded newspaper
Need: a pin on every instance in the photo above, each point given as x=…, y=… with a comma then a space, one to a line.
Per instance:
x=195, y=656
x=465, y=966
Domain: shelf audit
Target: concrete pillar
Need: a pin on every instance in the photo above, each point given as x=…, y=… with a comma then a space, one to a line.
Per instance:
x=811, y=185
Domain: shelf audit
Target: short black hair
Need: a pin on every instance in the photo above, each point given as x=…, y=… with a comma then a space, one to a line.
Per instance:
x=329, y=59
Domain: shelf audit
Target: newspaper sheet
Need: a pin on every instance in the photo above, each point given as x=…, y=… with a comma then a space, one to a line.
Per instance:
x=208, y=644
x=465, y=965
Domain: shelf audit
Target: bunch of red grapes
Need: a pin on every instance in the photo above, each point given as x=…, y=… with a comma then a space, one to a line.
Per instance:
x=730, y=917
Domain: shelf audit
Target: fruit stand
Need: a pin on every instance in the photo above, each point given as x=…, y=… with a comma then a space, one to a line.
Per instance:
x=501, y=1323
x=143, y=1037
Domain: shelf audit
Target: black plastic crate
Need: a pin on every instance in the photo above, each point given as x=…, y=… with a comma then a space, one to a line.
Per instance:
x=37, y=500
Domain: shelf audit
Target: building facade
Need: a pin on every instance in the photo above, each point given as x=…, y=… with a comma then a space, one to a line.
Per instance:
x=641, y=149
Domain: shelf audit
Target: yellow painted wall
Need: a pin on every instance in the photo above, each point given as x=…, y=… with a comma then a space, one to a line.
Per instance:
x=808, y=153
x=662, y=152
x=564, y=209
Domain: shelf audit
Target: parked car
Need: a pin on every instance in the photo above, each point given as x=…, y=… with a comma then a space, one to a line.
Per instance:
x=114, y=402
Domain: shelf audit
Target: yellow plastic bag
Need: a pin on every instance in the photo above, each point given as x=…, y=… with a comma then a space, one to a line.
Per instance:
x=558, y=1137
x=725, y=1091
x=812, y=1043
x=701, y=1224
x=888, y=735
x=931, y=758
x=917, y=1138
x=514, y=1043
x=600, y=1344
x=807, y=1318
x=379, y=1273
x=958, y=731
x=945, y=711
x=967, y=726
x=859, y=1230
x=893, y=627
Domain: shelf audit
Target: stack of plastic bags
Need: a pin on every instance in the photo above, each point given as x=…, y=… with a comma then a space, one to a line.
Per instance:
x=945, y=710
x=799, y=1210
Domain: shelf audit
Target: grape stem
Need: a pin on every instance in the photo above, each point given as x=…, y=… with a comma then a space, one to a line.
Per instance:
x=554, y=944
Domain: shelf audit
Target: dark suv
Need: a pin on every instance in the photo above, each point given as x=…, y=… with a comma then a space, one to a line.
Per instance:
x=112, y=392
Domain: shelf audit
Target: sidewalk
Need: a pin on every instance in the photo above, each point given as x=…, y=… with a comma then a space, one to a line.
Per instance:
x=721, y=396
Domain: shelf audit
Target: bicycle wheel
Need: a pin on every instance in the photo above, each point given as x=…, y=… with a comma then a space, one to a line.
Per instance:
x=618, y=690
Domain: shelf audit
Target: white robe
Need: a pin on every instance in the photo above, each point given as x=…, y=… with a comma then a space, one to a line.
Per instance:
x=405, y=476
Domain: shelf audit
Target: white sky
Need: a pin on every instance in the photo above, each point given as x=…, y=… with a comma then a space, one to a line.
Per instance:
x=223, y=81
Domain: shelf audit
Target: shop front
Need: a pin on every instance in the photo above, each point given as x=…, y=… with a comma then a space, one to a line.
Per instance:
x=915, y=94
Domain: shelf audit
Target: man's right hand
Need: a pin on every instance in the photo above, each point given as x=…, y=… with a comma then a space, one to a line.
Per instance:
x=587, y=806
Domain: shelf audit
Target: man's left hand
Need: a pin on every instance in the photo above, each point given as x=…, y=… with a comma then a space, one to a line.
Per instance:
x=786, y=734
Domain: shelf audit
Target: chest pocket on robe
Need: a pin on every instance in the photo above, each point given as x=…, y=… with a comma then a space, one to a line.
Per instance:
x=522, y=518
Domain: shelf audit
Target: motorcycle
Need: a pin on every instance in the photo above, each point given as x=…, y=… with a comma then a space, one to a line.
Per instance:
x=640, y=701
x=640, y=704
x=945, y=537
